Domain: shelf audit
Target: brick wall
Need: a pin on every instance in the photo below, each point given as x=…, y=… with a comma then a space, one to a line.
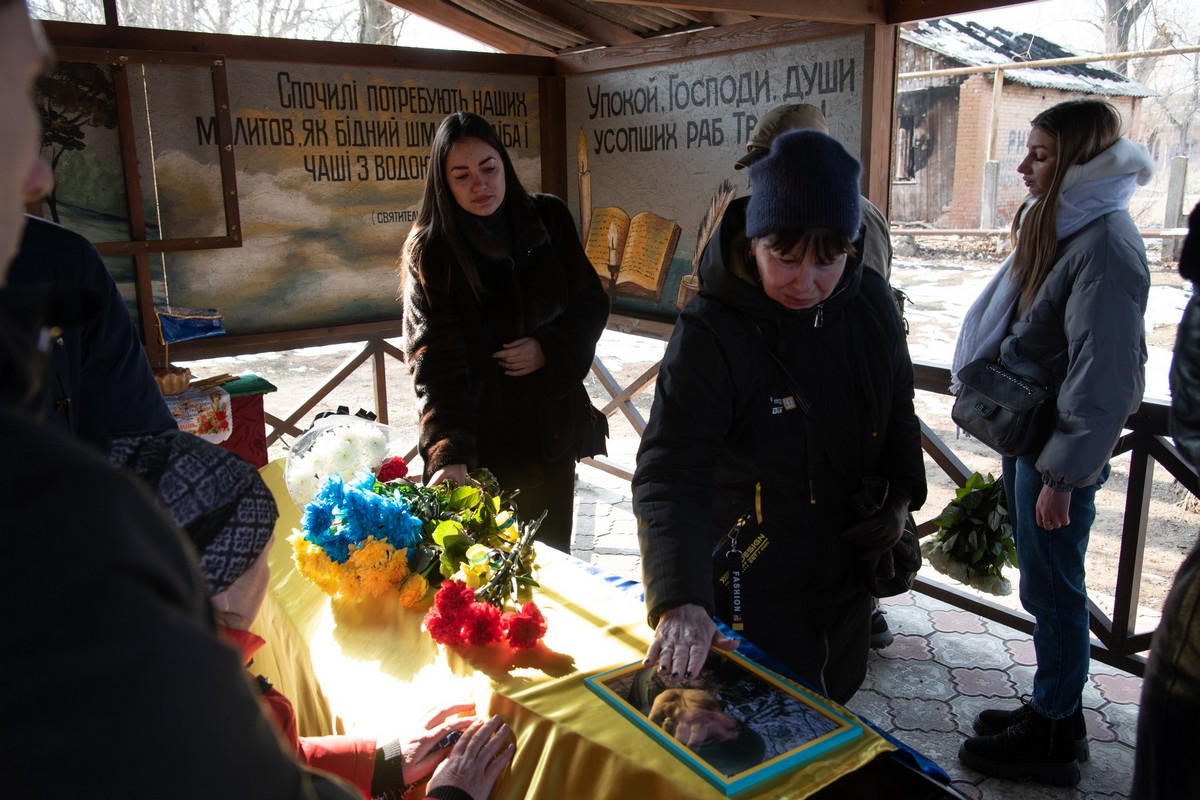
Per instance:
x=1018, y=105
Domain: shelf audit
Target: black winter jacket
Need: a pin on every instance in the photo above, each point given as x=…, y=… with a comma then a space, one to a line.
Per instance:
x=725, y=436
x=102, y=384
x=470, y=411
x=128, y=626
x=1185, y=364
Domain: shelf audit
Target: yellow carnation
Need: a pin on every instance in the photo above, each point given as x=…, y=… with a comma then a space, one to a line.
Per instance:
x=314, y=564
x=374, y=581
x=348, y=584
x=371, y=554
x=373, y=569
x=413, y=590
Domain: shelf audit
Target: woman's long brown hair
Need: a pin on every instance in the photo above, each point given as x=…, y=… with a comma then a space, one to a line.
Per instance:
x=436, y=218
x=1083, y=129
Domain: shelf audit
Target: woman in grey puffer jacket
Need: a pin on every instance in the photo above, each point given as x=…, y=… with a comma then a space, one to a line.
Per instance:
x=1068, y=311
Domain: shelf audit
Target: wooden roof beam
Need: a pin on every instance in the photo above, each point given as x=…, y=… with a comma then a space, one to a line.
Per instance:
x=583, y=24
x=261, y=48
x=901, y=11
x=852, y=12
x=455, y=19
x=726, y=18
x=706, y=42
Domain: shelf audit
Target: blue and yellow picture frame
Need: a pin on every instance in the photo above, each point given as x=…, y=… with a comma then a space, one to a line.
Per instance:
x=736, y=724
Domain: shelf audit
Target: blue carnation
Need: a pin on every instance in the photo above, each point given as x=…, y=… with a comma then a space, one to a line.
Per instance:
x=331, y=540
x=318, y=516
x=345, y=514
x=331, y=491
x=321, y=518
x=365, y=513
x=403, y=529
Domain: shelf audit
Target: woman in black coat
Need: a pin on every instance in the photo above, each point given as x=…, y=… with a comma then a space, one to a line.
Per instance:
x=1167, y=734
x=786, y=385
x=502, y=312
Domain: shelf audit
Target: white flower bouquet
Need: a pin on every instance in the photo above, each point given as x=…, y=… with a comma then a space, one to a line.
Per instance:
x=339, y=445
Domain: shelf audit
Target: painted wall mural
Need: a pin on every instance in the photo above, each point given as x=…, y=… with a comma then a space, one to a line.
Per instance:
x=331, y=162
x=654, y=149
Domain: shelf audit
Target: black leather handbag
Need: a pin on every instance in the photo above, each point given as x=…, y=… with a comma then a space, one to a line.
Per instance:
x=1009, y=413
x=593, y=435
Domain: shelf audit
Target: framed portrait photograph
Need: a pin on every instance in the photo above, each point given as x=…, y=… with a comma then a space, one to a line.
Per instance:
x=736, y=723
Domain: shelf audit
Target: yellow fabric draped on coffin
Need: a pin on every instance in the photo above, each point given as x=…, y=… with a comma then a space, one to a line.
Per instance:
x=370, y=670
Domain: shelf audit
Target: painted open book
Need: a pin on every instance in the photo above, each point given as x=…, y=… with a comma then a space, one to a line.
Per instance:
x=641, y=248
x=736, y=724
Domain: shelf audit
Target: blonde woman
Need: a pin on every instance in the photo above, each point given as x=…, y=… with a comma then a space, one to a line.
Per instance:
x=1066, y=310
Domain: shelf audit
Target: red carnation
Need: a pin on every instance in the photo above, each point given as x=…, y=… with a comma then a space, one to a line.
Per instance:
x=453, y=598
x=482, y=625
x=392, y=468
x=526, y=627
x=443, y=630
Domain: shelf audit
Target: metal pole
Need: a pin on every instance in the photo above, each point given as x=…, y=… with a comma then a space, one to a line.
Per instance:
x=1050, y=62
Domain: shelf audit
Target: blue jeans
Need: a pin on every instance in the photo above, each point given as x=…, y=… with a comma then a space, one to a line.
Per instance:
x=1052, y=586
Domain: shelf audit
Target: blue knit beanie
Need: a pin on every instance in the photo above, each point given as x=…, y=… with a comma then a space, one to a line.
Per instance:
x=808, y=180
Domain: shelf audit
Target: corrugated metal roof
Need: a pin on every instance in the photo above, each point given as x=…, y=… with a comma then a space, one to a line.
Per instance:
x=564, y=26
x=972, y=44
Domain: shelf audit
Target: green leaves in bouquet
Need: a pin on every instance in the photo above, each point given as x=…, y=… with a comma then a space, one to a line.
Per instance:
x=457, y=517
x=974, y=540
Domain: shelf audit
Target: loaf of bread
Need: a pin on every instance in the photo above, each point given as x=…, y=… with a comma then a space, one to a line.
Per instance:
x=172, y=380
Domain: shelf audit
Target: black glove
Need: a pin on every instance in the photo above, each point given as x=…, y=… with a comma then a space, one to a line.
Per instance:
x=875, y=536
x=883, y=516
x=907, y=558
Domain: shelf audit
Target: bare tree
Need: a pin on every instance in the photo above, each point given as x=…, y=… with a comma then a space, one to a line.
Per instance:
x=1182, y=108
x=1120, y=20
x=1158, y=26
x=380, y=22
x=1175, y=78
x=1134, y=25
x=369, y=21
x=68, y=10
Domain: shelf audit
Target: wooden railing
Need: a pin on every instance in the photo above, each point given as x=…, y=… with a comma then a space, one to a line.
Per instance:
x=375, y=350
x=1116, y=641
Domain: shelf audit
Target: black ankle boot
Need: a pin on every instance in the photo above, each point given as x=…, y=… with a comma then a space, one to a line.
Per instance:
x=1032, y=747
x=880, y=635
x=993, y=720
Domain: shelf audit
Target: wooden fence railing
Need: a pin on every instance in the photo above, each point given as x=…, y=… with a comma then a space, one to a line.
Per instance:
x=1116, y=641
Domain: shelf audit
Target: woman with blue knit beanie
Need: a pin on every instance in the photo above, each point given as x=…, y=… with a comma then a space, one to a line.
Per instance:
x=1065, y=310
x=785, y=390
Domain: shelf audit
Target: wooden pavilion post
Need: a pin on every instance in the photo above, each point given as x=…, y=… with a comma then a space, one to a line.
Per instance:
x=880, y=49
